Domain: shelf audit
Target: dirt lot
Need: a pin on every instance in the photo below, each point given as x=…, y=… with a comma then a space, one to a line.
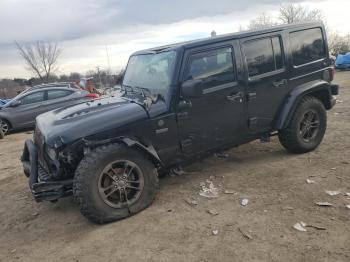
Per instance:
x=172, y=230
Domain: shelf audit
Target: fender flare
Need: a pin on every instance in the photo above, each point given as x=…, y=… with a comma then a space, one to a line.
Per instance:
x=130, y=142
x=147, y=149
x=295, y=97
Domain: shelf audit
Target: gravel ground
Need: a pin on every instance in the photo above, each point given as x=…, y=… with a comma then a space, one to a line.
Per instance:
x=173, y=230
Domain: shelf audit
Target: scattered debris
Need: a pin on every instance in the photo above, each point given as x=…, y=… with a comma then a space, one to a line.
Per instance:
x=169, y=210
x=221, y=155
x=177, y=171
x=344, y=162
x=333, y=193
x=213, y=212
x=347, y=194
x=347, y=206
x=191, y=202
x=316, y=227
x=13, y=251
x=35, y=214
x=287, y=208
x=310, y=181
x=215, y=232
x=245, y=234
x=244, y=201
x=209, y=190
x=229, y=191
x=300, y=226
x=339, y=101
x=333, y=168
x=324, y=204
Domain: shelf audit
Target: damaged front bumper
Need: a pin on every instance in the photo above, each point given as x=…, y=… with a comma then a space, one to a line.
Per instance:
x=43, y=188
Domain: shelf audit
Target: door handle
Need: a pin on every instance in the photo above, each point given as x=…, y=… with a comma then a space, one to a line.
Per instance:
x=280, y=83
x=237, y=97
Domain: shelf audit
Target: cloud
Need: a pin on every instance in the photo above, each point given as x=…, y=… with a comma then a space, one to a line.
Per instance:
x=58, y=20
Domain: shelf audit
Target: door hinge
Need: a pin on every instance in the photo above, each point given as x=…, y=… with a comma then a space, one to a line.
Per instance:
x=186, y=143
x=253, y=123
x=182, y=115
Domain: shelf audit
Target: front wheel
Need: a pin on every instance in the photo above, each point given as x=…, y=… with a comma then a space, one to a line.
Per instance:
x=114, y=182
x=4, y=127
x=307, y=127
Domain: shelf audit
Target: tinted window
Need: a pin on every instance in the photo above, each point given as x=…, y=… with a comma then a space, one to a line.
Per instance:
x=263, y=55
x=54, y=94
x=33, y=98
x=307, y=46
x=215, y=67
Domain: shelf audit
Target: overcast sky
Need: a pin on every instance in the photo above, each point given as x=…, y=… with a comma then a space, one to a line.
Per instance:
x=87, y=29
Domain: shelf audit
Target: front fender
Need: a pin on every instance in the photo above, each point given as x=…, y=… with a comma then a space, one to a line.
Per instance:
x=130, y=142
x=295, y=97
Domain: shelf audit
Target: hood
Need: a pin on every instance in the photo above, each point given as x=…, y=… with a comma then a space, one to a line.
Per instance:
x=68, y=124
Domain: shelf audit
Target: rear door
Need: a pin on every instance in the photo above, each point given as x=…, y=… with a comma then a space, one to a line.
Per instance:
x=217, y=117
x=266, y=78
x=57, y=98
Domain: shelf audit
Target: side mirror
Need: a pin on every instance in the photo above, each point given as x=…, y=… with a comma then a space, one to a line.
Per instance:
x=192, y=88
x=15, y=103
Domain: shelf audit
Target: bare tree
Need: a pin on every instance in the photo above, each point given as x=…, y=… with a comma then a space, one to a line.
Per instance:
x=40, y=58
x=338, y=44
x=262, y=21
x=292, y=13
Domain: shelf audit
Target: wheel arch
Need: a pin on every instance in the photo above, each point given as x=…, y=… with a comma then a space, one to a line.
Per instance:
x=319, y=89
x=7, y=121
x=149, y=150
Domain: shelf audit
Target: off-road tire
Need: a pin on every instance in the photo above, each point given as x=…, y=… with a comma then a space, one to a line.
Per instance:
x=290, y=137
x=85, y=185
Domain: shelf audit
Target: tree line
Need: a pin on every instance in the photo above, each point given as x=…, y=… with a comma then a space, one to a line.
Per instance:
x=294, y=13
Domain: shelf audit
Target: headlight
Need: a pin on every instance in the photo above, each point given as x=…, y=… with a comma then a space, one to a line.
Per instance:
x=51, y=152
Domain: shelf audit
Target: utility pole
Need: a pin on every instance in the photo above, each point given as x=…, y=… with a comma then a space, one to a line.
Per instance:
x=109, y=67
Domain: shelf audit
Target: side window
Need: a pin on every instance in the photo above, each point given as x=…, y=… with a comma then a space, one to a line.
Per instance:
x=33, y=98
x=54, y=94
x=263, y=55
x=307, y=46
x=214, y=67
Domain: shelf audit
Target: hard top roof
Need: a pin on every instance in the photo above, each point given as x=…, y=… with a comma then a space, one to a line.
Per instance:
x=231, y=36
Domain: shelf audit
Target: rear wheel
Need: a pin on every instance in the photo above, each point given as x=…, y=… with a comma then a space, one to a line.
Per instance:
x=114, y=182
x=307, y=127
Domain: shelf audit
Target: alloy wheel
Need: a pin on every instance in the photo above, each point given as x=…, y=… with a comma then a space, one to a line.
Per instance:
x=121, y=183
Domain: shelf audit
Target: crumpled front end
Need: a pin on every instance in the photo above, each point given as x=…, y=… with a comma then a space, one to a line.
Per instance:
x=48, y=180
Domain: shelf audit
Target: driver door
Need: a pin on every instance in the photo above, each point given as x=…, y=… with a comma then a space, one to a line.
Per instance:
x=217, y=116
x=30, y=107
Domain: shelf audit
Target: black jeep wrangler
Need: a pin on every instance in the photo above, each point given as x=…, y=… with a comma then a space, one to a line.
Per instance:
x=181, y=102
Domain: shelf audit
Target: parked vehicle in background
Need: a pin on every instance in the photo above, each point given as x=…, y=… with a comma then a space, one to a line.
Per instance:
x=22, y=110
x=182, y=102
x=55, y=84
x=342, y=62
x=4, y=101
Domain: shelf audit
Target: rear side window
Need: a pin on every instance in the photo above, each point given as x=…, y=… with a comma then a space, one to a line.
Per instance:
x=215, y=67
x=33, y=98
x=263, y=55
x=307, y=46
x=54, y=94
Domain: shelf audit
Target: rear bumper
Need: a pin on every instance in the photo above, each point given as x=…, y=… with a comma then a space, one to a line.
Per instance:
x=42, y=190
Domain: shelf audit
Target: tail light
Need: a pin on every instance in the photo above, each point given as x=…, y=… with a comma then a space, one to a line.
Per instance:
x=92, y=95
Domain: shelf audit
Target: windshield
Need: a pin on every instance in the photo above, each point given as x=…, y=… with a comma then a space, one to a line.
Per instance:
x=151, y=71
